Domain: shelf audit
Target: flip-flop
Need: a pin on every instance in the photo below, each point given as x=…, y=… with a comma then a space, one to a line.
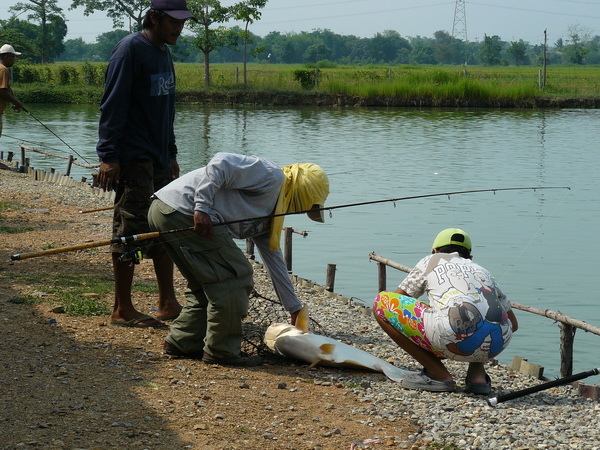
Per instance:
x=423, y=382
x=137, y=322
x=478, y=388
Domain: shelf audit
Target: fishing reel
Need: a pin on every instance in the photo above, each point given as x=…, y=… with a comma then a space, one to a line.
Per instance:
x=134, y=256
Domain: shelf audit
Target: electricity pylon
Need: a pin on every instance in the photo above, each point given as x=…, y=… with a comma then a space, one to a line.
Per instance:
x=459, y=27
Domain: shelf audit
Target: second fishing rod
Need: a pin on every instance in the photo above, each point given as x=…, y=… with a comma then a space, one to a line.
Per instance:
x=156, y=234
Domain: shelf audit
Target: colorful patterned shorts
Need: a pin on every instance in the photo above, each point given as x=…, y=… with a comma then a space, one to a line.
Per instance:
x=405, y=314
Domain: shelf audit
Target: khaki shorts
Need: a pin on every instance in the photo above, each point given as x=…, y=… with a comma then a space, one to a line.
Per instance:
x=137, y=183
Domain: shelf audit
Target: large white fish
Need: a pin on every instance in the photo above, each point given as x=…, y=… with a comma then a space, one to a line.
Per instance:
x=296, y=342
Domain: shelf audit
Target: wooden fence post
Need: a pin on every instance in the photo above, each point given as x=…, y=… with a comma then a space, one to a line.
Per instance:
x=69, y=165
x=22, y=155
x=381, y=276
x=567, y=338
x=330, y=278
x=250, y=248
x=287, y=249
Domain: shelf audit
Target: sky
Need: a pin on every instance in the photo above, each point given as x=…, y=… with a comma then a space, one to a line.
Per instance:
x=511, y=20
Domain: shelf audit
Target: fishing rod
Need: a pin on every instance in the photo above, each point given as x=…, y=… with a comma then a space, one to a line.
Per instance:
x=87, y=211
x=493, y=401
x=59, y=138
x=117, y=240
x=139, y=237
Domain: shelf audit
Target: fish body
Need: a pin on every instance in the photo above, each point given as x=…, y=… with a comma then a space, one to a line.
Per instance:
x=296, y=342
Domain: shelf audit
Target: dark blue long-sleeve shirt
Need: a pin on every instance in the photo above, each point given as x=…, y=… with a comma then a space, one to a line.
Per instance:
x=138, y=105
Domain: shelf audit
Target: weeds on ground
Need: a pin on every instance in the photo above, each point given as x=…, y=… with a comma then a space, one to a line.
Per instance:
x=79, y=294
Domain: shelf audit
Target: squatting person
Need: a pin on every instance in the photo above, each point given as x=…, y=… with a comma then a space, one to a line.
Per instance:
x=468, y=318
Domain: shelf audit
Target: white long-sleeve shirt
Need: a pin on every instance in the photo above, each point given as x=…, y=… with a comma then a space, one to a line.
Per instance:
x=233, y=187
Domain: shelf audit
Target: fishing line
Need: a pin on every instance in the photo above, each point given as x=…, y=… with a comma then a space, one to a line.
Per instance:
x=152, y=235
x=537, y=232
x=59, y=138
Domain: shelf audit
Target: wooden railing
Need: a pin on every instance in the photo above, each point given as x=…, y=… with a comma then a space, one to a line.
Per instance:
x=568, y=326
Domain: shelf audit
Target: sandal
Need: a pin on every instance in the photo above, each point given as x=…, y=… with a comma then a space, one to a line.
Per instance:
x=423, y=382
x=478, y=388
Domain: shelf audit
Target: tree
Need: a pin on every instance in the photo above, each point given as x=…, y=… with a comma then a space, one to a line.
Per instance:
x=448, y=49
x=423, y=51
x=53, y=28
x=117, y=10
x=22, y=35
x=248, y=12
x=76, y=50
x=19, y=41
x=491, y=50
x=105, y=43
x=518, y=52
x=578, y=44
x=317, y=52
x=385, y=47
x=207, y=39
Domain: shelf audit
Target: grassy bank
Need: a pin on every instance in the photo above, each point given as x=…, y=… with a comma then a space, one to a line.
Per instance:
x=343, y=85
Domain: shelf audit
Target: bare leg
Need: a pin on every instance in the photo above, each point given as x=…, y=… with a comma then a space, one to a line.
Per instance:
x=476, y=373
x=433, y=365
x=168, y=306
x=123, y=309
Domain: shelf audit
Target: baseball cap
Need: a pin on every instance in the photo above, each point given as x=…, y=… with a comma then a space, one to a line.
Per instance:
x=452, y=236
x=8, y=49
x=177, y=9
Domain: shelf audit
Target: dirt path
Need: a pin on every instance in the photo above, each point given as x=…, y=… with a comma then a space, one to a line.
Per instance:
x=77, y=382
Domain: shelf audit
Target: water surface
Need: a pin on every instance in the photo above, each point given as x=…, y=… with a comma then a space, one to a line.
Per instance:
x=542, y=246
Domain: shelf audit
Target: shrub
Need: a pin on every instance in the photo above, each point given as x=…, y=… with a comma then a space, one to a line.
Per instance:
x=306, y=77
x=67, y=75
x=26, y=74
x=92, y=76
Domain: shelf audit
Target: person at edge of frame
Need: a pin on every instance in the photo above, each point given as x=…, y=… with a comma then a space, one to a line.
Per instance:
x=7, y=60
x=249, y=196
x=137, y=150
x=468, y=318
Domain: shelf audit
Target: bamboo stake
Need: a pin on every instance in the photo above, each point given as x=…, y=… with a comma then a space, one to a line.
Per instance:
x=558, y=316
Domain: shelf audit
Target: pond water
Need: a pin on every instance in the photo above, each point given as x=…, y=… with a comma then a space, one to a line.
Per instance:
x=542, y=246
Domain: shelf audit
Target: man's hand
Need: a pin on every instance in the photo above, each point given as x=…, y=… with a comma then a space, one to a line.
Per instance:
x=108, y=176
x=202, y=224
x=293, y=317
x=18, y=106
x=174, y=169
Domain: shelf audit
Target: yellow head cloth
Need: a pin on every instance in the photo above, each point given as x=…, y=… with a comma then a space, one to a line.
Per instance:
x=305, y=185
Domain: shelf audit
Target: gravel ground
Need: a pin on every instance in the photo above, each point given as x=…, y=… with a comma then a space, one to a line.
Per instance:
x=82, y=384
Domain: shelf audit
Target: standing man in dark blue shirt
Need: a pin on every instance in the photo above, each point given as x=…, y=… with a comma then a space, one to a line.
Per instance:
x=137, y=149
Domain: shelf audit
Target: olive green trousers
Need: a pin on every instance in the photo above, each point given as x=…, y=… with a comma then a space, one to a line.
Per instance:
x=220, y=281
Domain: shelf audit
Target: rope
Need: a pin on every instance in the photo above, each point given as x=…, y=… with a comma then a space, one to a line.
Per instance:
x=87, y=166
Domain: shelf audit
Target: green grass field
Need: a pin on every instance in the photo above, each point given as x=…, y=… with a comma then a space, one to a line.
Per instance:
x=82, y=82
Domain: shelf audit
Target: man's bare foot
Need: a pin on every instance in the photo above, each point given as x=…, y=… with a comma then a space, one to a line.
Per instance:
x=169, y=312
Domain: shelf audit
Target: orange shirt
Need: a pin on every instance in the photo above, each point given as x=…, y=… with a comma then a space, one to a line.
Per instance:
x=4, y=84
